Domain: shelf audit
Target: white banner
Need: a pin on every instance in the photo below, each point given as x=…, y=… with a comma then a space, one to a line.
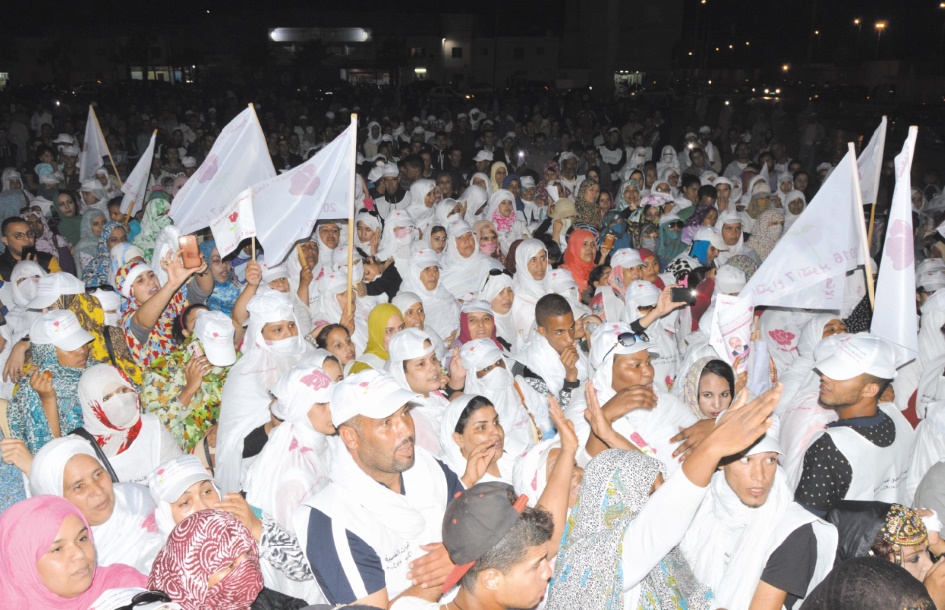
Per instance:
x=870, y=164
x=894, y=311
x=93, y=148
x=235, y=224
x=239, y=158
x=135, y=186
x=807, y=265
x=730, y=333
x=288, y=206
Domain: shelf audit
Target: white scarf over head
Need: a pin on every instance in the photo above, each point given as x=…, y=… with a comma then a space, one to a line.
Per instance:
x=453, y=456
x=109, y=421
x=527, y=289
x=505, y=322
x=398, y=247
x=463, y=275
x=418, y=210
x=441, y=309
x=475, y=197
x=373, y=223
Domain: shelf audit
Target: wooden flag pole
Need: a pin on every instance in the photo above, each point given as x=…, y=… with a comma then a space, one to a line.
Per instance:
x=252, y=243
x=99, y=127
x=350, y=202
x=861, y=226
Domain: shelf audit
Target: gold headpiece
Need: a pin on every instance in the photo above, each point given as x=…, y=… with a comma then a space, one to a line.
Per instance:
x=904, y=527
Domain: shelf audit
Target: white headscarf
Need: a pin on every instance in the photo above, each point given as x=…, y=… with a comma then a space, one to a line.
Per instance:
x=109, y=421
x=474, y=197
x=530, y=476
x=418, y=210
x=296, y=459
x=427, y=411
x=486, y=179
x=504, y=323
x=373, y=223
x=790, y=218
x=246, y=391
x=462, y=275
x=404, y=301
x=441, y=309
x=453, y=456
x=527, y=289
x=395, y=247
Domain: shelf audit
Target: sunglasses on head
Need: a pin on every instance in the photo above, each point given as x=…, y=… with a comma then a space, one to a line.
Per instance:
x=627, y=339
x=144, y=598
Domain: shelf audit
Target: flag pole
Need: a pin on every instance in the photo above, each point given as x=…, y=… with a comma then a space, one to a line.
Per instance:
x=350, y=202
x=252, y=242
x=99, y=127
x=878, y=172
x=861, y=228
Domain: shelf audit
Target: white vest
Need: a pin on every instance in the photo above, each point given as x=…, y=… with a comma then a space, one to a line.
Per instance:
x=879, y=473
x=138, y=461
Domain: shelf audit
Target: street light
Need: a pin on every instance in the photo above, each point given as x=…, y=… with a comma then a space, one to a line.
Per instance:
x=859, y=29
x=785, y=67
x=880, y=28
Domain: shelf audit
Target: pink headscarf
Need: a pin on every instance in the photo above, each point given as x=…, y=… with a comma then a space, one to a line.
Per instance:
x=26, y=530
x=202, y=544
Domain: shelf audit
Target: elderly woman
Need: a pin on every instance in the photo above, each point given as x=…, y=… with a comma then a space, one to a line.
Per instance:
x=49, y=558
x=588, y=210
x=121, y=515
x=465, y=267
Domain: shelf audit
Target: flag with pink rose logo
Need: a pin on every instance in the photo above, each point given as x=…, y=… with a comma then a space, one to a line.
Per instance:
x=288, y=206
x=239, y=159
x=894, y=312
x=235, y=224
x=135, y=185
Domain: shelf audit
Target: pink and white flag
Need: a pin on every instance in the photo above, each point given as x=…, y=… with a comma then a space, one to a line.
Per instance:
x=135, y=186
x=94, y=148
x=893, y=313
x=288, y=206
x=235, y=224
x=239, y=158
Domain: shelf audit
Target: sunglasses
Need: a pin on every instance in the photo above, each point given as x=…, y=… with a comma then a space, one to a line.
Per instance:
x=627, y=339
x=144, y=598
x=674, y=224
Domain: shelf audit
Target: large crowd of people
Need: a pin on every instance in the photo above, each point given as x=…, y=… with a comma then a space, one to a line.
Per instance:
x=512, y=399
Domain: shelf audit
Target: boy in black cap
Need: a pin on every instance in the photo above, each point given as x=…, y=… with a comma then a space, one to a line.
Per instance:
x=500, y=548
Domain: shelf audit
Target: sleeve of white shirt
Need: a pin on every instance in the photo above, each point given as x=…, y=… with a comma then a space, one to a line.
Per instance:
x=413, y=603
x=659, y=527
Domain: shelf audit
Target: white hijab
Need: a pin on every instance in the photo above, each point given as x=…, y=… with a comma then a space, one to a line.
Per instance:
x=441, y=309
x=427, y=411
x=246, y=391
x=418, y=210
x=109, y=421
x=475, y=197
x=453, y=456
x=462, y=275
x=504, y=323
x=404, y=301
x=789, y=217
x=395, y=247
x=373, y=223
x=527, y=289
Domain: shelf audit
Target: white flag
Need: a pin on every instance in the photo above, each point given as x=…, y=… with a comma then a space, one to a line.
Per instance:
x=136, y=184
x=93, y=148
x=235, y=224
x=807, y=265
x=870, y=164
x=288, y=205
x=893, y=314
x=239, y=158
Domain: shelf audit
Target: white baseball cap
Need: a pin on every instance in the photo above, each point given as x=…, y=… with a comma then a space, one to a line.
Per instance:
x=369, y=393
x=705, y=129
x=859, y=354
x=730, y=279
x=626, y=258
x=172, y=478
x=53, y=286
x=606, y=342
x=60, y=328
x=643, y=293
x=711, y=235
x=483, y=155
x=214, y=330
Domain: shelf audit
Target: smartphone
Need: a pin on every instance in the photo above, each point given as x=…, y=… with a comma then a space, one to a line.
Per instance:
x=29, y=253
x=683, y=295
x=189, y=252
x=609, y=241
x=195, y=350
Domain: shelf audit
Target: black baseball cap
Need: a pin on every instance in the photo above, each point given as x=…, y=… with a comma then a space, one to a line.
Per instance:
x=475, y=522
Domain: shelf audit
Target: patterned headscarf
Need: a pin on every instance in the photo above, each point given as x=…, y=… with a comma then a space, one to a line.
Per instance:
x=542, y=197
x=691, y=385
x=160, y=340
x=588, y=212
x=96, y=272
x=743, y=263
x=764, y=237
x=615, y=487
x=155, y=218
x=224, y=295
x=202, y=544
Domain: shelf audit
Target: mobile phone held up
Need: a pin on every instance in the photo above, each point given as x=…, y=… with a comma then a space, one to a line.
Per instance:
x=189, y=252
x=195, y=350
x=683, y=295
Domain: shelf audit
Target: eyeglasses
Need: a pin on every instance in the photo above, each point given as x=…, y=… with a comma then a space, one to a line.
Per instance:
x=495, y=272
x=675, y=224
x=21, y=235
x=144, y=598
x=628, y=339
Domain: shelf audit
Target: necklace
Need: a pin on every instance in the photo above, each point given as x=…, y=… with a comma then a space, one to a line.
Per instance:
x=458, y=607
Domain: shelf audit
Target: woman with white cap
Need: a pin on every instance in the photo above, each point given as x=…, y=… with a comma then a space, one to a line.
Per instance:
x=642, y=298
x=423, y=279
x=184, y=389
x=626, y=267
x=182, y=487
x=474, y=442
x=297, y=457
x=134, y=443
x=45, y=404
x=465, y=267
x=707, y=243
x=271, y=347
x=531, y=282
x=118, y=513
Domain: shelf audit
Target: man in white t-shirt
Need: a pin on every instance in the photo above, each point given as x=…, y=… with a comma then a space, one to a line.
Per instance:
x=374, y=532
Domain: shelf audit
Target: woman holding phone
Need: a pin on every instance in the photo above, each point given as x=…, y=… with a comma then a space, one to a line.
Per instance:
x=149, y=312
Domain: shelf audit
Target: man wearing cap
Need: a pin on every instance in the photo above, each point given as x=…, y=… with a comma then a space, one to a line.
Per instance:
x=864, y=455
x=750, y=542
x=374, y=532
x=483, y=161
x=501, y=550
x=569, y=165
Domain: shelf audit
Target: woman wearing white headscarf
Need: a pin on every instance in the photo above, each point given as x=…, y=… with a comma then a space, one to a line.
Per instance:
x=415, y=367
x=400, y=231
x=94, y=195
x=121, y=514
x=465, y=268
x=423, y=279
x=498, y=292
x=531, y=282
x=483, y=181
x=509, y=226
x=415, y=316
x=16, y=294
x=794, y=203
x=640, y=299
x=474, y=441
x=476, y=199
x=332, y=302
x=373, y=138
x=135, y=443
x=367, y=234
x=423, y=197
x=296, y=459
x=271, y=346
x=522, y=410
x=302, y=257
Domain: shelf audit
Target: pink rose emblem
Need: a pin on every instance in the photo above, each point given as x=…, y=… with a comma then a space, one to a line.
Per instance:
x=316, y=380
x=232, y=217
x=305, y=181
x=782, y=337
x=899, y=247
x=208, y=170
